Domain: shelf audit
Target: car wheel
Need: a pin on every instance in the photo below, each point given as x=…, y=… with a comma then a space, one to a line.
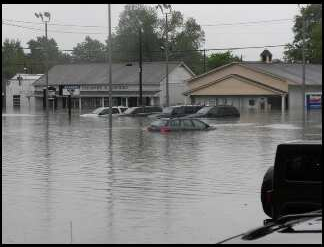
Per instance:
x=266, y=186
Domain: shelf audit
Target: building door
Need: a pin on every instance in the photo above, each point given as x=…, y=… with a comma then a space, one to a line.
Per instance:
x=274, y=102
x=262, y=104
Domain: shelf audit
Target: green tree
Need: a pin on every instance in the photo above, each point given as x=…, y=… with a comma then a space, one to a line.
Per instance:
x=316, y=43
x=188, y=38
x=312, y=14
x=40, y=49
x=126, y=39
x=183, y=35
x=219, y=59
x=91, y=50
x=13, y=58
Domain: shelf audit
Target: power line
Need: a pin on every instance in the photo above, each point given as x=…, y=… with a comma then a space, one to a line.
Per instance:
x=53, y=24
x=177, y=51
x=204, y=25
x=57, y=31
x=54, y=31
x=244, y=23
x=233, y=48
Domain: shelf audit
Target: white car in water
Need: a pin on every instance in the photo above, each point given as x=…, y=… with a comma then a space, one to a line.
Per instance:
x=104, y=111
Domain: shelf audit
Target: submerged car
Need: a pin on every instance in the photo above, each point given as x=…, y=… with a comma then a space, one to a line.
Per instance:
x=291, y=195
x=216, y=111
x=177, y=111
x=178, y=124
x=104, y=111
x=142, y=111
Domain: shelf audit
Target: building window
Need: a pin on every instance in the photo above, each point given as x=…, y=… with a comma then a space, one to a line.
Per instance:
x=251, y=102
x=16, y=100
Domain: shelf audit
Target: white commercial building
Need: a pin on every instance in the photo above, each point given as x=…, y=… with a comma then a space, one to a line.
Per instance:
x=91, y=80
x=20, y=91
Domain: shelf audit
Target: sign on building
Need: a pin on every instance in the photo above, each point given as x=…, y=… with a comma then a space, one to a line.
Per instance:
x=314, y=101
x=73, y=90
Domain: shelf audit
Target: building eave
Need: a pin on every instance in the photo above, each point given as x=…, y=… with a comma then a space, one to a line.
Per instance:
x=275, y=90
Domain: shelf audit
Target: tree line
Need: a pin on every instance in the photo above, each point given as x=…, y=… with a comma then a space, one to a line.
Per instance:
x=183, y=35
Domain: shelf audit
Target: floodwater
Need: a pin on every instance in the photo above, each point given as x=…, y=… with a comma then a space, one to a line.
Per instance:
x=74, y=181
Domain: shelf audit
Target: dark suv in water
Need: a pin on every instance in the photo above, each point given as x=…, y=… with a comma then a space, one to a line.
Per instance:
x=291, y=195
x=178, y=111
x=216, y=111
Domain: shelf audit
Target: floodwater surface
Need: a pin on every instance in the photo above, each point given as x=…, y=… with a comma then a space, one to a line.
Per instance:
x=73, y=180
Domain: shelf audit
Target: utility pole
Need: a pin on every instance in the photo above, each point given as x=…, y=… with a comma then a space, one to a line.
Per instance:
x=48, y=15
x=140, y=68
x=167, y=6
x=166, y=60
x=204, y=60
x=110, y=72
x=304, y=70
x=46, y=52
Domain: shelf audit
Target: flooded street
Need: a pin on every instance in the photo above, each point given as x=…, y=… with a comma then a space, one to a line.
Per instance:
x=74, y=180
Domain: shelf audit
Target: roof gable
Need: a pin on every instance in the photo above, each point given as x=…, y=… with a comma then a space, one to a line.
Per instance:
x=238, y=69
x=27, y=76
x=234, y=85
x=292, y=73
x=233, y=64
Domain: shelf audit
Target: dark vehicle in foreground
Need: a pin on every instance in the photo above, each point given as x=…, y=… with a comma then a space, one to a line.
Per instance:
x=291, y=195
x=142, y=111
x=290, y=229
x=216, y=111
x=178, y=111
x=178, y=124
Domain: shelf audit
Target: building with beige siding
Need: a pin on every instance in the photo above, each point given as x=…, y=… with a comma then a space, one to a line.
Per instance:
x=255, y=85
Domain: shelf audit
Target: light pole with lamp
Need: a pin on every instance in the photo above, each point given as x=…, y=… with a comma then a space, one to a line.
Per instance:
x=48, y=16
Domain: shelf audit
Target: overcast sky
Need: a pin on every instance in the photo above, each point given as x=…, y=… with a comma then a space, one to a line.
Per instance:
x=220, y=36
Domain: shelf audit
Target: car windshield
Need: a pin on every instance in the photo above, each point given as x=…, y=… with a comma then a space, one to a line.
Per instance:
x=168, y=110
x=98, y=110
x=204, y=110
x=123, y=109
x=159, y=123
x=130, y=110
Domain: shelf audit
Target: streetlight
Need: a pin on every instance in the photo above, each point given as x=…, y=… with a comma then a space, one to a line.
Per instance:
x=45, y=20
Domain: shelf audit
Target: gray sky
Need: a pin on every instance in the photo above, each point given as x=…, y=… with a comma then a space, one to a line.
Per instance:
x=221, y=36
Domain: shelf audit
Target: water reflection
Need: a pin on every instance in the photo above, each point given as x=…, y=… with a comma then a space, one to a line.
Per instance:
x=128, y=185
